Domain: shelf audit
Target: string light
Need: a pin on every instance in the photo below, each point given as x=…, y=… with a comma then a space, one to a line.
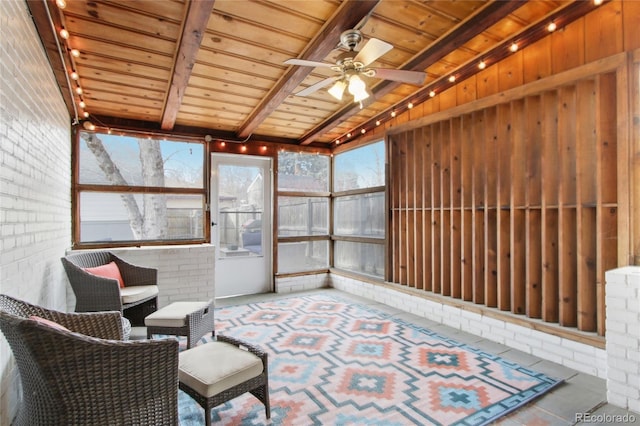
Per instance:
x=74, y=75
x=552, y=27
x=432, y=93
x=363, y=131
x=377, y=122
x=393, y=113
x=452, y=78
x=61, y=4
x=482, y=65
x=410, y=105
x=79, y=90
x=82, y=104
x=75, y=53
x=514, y=47
x=64, y=34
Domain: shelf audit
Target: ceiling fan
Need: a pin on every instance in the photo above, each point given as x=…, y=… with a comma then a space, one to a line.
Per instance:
x=351, y=65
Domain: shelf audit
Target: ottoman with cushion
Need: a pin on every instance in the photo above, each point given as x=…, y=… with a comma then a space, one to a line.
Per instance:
x=191, y=319
x=219, y=371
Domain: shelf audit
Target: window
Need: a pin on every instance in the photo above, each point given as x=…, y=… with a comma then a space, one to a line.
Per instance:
x=303, y=212
x=139, y=189
x=359, y=210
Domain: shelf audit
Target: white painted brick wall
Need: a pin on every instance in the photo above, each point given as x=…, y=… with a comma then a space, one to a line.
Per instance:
x=623, y=337
x=35, y=180
x=300, y=283
x=185, y=273
x=575, y=355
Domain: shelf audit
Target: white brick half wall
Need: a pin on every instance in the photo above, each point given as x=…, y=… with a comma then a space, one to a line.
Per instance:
x=578, y=356
x=35, y=180
x=185, y=273
x=301, y=282
x=623, y=337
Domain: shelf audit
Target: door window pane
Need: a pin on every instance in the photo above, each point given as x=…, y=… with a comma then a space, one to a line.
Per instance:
x=240, y=208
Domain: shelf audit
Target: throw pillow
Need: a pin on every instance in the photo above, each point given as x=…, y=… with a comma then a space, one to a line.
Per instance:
x=110, y=270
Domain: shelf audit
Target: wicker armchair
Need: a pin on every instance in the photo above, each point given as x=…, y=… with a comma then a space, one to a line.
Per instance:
x=93, y=293
x=78, y=377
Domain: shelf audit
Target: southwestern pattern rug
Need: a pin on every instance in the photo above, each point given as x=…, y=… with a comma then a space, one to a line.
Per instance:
x=333, y=362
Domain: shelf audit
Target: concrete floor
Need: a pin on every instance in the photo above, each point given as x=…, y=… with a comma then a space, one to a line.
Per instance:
x=581, y=395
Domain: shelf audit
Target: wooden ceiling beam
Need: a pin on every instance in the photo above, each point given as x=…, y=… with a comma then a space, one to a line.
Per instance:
x=348, y=15
x=478, y=23
x=195, y=25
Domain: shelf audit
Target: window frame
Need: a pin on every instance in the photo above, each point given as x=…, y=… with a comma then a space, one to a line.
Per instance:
x=78, y=188
x=304, y=238
x=360, y=191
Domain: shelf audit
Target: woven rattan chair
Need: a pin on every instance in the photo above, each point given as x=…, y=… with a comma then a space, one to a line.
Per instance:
x=93, y=293
x=86, y=375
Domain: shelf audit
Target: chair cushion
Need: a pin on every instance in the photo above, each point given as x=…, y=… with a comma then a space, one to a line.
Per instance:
x=48, y=323
x=173, y=315
x=217, y=366
x=135, y=293
x=110, y=270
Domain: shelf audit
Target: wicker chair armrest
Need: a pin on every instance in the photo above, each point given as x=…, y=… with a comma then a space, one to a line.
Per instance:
x=136, y=275
x=105, y=325
x=108, y=381
x=254, y=349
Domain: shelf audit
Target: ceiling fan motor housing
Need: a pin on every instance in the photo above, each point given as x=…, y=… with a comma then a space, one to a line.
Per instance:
x=351, y=38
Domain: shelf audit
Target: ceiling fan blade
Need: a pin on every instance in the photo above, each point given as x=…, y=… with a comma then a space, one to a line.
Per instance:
x=372, y=51
x=305, y=63
x=319, y=85
x=404, y=76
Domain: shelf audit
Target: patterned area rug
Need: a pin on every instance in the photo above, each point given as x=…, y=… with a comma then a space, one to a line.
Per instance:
x=333, y=362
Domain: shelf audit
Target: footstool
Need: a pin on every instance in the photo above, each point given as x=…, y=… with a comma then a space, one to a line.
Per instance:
x=219, y=371
x=191, y=319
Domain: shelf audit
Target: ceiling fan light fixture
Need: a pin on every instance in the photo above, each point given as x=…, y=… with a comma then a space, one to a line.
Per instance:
x=337, y=90
x=358, y=88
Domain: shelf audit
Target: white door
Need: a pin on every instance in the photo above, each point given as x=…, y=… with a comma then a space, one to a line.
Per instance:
x=241, y=197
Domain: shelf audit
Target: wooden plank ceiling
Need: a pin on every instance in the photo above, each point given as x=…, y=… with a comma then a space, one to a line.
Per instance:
x=216, y=67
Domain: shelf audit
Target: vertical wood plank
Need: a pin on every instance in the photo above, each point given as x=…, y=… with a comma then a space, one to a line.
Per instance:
x=567, y=118
x=586, y=196
x=550, y=181
x=466, y=169
x=533, y=137
x=518, y=247
x=491, y=209
x=504, y=146
x=436, y=227
x=606, y=178
x=456, y=209
x=479, y=164
x=409, y=208
x=445, y=210
x=419, y=209
x=427, y=217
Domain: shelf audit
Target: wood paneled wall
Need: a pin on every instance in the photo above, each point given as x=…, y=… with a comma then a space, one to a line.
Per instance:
x=512, y=205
